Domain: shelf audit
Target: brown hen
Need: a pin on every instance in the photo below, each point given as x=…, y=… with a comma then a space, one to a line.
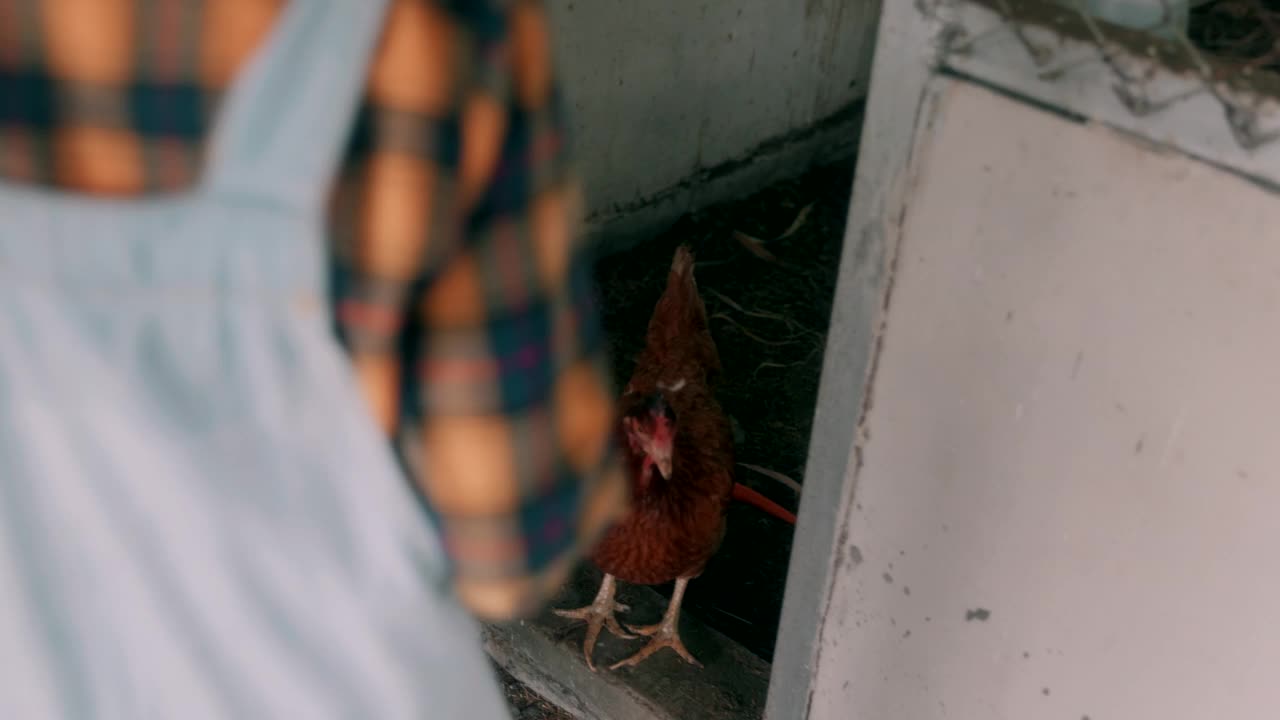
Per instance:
x=679, y=444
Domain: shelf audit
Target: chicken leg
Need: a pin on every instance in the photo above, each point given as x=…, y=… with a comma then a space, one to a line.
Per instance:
x=665, y=634
x=600, y=613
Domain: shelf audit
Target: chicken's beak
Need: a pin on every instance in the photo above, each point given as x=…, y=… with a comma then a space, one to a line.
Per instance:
x=662, y=459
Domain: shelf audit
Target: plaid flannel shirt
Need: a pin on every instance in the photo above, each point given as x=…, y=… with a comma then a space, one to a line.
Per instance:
x=462, y=291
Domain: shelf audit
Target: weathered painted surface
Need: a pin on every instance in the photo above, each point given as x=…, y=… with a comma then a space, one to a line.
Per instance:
x=1069, y=474
x=1181, y=112
x=902, y=67
x=677, y=104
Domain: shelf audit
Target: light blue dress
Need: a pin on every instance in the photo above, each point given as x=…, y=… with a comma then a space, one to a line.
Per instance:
x=198, y=518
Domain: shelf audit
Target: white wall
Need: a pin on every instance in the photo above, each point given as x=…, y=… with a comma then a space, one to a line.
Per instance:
x=672, y=100
x=1072, y=428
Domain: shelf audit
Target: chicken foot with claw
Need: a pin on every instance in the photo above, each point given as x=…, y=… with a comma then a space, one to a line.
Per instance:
x=599, y=614
x=665, y=634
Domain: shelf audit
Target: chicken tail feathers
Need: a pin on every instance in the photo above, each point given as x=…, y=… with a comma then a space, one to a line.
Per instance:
x=682, y=265
x=679, y=336
x=681, y=310
x=682, y=288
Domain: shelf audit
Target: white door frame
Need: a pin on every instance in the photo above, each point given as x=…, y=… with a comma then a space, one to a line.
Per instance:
x=1058, y=60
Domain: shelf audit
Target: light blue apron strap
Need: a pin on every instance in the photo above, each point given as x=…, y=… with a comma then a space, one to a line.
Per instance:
x=281, y=130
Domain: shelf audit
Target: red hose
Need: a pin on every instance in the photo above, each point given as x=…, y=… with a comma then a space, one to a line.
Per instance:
x=751, y=497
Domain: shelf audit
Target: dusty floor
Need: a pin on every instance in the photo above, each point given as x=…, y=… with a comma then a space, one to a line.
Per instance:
x=525, y=703
x=769, y=319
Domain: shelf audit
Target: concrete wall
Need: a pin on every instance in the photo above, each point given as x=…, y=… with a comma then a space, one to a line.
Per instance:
x=1066, y=501
x=677, y=103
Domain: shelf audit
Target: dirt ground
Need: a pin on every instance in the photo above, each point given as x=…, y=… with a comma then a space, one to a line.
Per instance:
x=769, y=312
x=525, y=703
